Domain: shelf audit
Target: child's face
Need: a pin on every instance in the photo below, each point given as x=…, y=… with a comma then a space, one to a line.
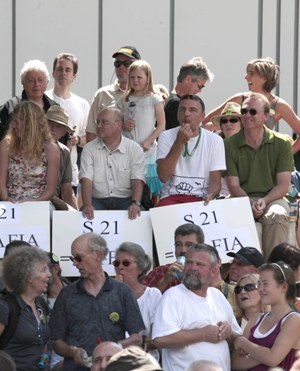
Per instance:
x=138, y=80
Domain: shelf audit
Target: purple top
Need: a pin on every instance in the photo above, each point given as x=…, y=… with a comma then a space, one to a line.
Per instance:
x=268, y=342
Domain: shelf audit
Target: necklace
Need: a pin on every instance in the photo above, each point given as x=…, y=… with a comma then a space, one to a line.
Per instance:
x=185, y=151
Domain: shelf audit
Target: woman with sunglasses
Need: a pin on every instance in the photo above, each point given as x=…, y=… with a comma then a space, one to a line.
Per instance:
x=262, y=76
x=131, y=266
x=271, y=339
x=228, y=123
x=248, y=298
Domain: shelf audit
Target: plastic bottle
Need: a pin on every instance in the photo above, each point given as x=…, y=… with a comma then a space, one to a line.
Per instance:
x=43, y=361
x=181, y=260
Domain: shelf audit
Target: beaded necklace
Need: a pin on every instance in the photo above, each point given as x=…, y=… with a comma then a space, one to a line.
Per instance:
x=185, y=151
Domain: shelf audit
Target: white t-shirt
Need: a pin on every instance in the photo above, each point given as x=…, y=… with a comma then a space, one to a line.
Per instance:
x=181, y=309
x=78, y=110
x=191, y=176
x=148, y=303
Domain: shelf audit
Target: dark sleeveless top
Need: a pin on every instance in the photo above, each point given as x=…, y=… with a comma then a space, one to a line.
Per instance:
x=268, y=340
x=271, y=122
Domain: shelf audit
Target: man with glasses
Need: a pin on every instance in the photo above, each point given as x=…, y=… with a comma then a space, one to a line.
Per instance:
x=190, y=159
x=108, y=95
x=191, y=79
x=113, y=169
x=94, y=308
x=165, y=276
x=259, y=164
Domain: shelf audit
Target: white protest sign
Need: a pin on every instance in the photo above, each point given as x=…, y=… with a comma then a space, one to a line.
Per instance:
x=114, y=226
x=26, y=221
x=227, y=224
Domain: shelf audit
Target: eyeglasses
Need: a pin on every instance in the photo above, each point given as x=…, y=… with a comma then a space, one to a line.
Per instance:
x=126, y=263
x=118, y=64
x=232, y=120
x=248, y=288
x=76, y=258
x=183, y=244
x=102, y=122
x=200, y=86
x=252, y=111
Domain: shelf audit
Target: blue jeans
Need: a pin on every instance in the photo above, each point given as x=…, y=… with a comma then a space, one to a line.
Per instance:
x=111, y=203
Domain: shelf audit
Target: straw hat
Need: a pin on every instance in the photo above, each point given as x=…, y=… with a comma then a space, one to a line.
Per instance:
x=59, y=115
x=230, y=109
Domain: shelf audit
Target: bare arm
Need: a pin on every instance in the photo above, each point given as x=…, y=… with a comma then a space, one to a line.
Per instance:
x=68, y=351
x=133, y=339
x=137, y=192
x=3, y=170
x=86, y=193
x=166, y=166
x=214, y=186
x=160, y=126
x=68, y=195
x=53, y=159
x=233, y=184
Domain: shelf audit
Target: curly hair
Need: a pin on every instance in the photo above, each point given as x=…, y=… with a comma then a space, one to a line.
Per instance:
x=36, y=131
x=19, y=266
x=143, y=260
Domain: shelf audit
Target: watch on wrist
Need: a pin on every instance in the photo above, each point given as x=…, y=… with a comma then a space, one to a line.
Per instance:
x=136, y=202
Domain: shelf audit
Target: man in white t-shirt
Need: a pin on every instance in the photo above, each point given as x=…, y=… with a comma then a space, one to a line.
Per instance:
x=65, y=67
x=190, y=159
x=194, y=321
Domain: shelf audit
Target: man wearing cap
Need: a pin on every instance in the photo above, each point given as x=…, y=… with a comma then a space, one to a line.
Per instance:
x=246, y=260
x=64, y=198
x=192, y=77
x=65, y=67
x=108, y=95
x=190, y=159
x=259, y=164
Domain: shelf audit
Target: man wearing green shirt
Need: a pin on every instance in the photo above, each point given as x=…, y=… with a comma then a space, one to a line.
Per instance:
x=259, y=163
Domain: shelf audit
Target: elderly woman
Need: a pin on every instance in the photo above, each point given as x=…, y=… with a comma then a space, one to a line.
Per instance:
x=131, y=266
x=248, y=298
x=26, y=274
x=29, y=157
x=34, y=77
x=262, y=76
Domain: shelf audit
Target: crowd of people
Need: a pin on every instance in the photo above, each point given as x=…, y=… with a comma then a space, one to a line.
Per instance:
x=137, y=146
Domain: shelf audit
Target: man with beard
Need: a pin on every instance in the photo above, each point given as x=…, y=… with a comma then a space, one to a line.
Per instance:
x=190, y=159
x=194, y=321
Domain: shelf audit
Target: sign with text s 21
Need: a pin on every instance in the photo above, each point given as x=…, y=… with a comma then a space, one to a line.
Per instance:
x=227, y=224
x=26, y=221
x=113, y=226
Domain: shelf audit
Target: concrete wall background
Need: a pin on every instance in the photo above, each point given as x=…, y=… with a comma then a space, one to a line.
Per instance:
x=225, y=33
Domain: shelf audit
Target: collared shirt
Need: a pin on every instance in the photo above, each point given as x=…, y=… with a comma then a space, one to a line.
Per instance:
x=257, y=169
x=157, y=274
x=107, y=96
x=79, y=318
x=111, y=172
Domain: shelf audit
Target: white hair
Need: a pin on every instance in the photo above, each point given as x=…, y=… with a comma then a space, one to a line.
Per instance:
x=34, y=65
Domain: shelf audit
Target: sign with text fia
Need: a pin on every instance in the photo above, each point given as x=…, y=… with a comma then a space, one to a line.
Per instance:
x=113, y=226
x=227, y=224
x=27, y=221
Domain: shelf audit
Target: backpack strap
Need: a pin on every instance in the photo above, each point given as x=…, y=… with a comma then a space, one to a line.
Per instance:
x=13, y=317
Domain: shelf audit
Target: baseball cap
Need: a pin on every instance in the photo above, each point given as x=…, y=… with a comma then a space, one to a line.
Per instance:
x=129, y=51
x=248, y=255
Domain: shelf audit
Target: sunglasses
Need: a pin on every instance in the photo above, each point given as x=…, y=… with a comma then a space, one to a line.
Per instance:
x=252, y=111
x=122, y=63
x=126, y=263
x=76, y=258
x=248, y=288
x=232, y=120
x=200, y=86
